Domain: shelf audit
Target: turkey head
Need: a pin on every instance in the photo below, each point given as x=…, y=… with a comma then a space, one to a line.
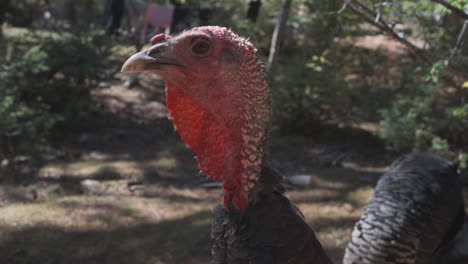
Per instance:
x=219, y=102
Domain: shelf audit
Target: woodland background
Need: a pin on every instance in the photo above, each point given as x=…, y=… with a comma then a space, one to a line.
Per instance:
x=91, y=170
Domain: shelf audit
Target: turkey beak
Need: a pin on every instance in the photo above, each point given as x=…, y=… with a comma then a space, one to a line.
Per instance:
x=154, y=58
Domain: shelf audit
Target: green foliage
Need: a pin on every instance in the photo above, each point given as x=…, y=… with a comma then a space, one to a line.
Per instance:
x=318, y=62
x=325, y=79
x=460, y=112
x=463, y=160
x=309, y=89
x=426, y=117
x=45, y=85
x=20, y=120
x=308, y=82
x=436, y=71
x=461, y=4
x=407, y=123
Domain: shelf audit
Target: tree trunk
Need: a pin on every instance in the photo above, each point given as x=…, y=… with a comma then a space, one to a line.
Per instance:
x=69, y=8
x=278, y=32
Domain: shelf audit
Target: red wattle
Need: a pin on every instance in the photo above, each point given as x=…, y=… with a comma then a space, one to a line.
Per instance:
x=213, y=145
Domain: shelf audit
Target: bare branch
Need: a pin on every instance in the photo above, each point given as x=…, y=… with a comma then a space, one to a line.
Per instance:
x=360, y=9
x=343, y=7
x=385, y=28
x=459, y=41
x=459, y=12
x=379, y=11
x=277, y=33
x=364, y=7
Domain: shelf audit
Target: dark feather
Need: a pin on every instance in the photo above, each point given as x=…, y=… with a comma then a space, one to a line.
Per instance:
x=417, y=208
x=271, y=231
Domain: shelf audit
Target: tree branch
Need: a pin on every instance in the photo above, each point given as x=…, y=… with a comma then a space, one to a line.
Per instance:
x=379, y=11
x=360, y=9
x=343, y=7
x=459, y=12
x=383, y=26
x=459, y=41
x=277, y=33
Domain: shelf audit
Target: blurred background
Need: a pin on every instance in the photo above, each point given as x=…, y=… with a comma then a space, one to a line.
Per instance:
x=92, y=171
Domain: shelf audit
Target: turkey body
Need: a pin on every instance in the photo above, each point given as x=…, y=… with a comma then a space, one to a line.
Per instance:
x=456, y=251
x=417, y=208
x=271, y=231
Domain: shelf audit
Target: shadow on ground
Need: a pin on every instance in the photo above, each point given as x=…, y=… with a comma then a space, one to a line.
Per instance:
x=184, y=240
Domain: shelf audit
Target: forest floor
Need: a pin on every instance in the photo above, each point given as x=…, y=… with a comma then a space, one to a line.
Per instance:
x=128, y=191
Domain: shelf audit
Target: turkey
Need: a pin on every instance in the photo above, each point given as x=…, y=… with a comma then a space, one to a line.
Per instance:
x=271, y=231
x=417, y=208
x=456, y=251
x=219, y=102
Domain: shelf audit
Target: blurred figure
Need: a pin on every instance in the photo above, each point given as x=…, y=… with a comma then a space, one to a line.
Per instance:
x=70, y=11
x=114, y=10
x=205, y=13
x=4, y=8
x=254, y=9
x=136, y=10
x=181, y=18
x=46, y=14
x=157, y=16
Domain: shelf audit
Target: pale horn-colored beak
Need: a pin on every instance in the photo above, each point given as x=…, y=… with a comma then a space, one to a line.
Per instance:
x=154, y=58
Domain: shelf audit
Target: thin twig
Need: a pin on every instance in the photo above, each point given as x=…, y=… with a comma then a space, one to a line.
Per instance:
x=384, y=27
x=459, y=12
x=277, y=33
x=365, y=8
x=343, y=7
x=459, y=42
x=379, y=11
x=387, y=29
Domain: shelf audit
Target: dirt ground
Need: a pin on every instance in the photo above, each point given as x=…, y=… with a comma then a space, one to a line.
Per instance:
x=130, y=192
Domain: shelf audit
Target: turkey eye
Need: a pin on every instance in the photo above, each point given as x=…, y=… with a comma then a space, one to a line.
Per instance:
x=200, y=47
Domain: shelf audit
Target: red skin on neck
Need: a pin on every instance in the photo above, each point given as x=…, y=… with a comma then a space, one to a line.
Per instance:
x=212, y=130
x=220, y=107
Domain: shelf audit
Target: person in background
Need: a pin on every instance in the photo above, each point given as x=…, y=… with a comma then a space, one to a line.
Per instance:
x=114, y=10
x=254, y=9
x=4, y=9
